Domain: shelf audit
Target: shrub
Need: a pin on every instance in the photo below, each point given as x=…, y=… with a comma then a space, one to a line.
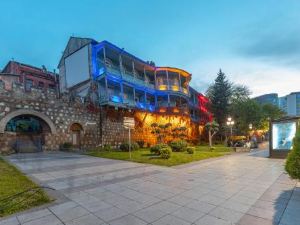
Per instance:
x=141, y=143
x=178, y=146
x=190, y=150
x=156, y=148
x=165, y=152
x=292, y=165
x=66, y=145
x=125, y=146
x=107, y=148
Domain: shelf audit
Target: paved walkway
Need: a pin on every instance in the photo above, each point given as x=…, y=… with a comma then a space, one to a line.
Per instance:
x=239, y=189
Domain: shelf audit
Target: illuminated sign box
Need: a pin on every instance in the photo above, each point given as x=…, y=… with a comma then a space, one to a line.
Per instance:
x=282, y=133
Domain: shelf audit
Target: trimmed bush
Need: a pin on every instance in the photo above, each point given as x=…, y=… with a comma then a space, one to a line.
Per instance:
x=66, y=145
x=156, y=148
x=292, y=165
x=178, y=146
x=190, y=150
x=141, y=143
x=107, y=148
x=165, y=152
x=125, y=146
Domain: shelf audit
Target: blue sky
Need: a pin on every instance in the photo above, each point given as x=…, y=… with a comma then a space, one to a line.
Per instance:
x=255, y=42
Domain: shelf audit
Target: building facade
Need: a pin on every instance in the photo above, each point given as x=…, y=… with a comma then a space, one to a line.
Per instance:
x=125, y=81
x=29, y=76
x=99, y=85
x=268, y=99
x=290, y=103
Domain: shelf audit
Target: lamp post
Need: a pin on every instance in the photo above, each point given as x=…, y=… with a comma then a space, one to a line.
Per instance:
x=230, y=124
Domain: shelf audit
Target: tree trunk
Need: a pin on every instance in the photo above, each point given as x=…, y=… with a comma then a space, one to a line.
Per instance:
x=210, y=138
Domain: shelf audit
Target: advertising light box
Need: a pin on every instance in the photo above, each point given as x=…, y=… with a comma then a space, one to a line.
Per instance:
x=283, y=134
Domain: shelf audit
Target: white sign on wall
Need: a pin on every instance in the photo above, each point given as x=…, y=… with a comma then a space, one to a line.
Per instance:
x=128, y=122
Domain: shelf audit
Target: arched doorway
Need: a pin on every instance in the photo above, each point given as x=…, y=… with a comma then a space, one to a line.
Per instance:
x=30, y=132
x=76, y=130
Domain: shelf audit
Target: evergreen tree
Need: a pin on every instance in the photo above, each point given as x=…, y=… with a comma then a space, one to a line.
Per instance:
x=292, y=165
x=219, y=94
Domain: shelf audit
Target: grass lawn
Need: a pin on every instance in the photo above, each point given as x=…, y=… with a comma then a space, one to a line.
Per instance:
x=12, y=181
x=177, y=158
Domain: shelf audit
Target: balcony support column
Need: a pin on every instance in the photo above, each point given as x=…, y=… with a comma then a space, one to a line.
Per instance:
x=144, y=74
x=122, y=91
x=121, y=64
x=168, y=100
x=179, y=80
x=155, y=86
x=133, y=69
x=168, y=83
x=104, y=56
x=106, y=88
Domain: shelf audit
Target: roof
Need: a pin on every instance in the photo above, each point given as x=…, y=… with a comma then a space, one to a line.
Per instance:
x=287, y=118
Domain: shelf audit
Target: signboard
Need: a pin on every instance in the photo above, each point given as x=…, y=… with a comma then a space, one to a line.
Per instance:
x=128, y=122
x=283, y=134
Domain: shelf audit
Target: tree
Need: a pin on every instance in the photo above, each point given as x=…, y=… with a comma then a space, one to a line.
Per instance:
x=292, y=165
x=270, y=112
x=239, y=93
x=219, y=94
x=212, y=128
x=246, y=112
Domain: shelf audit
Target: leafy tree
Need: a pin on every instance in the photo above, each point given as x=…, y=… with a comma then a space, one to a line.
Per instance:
x=270, y=112
x=239, y=93
x=219, y=94
x=292, y=165
x=212, y=128
x=245, y=112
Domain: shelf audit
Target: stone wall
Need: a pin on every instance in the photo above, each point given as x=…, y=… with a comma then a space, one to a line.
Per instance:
x=46, y=105
x=99, y=126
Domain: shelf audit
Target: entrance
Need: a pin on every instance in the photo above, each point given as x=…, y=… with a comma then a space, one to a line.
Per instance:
x=76, y=130
x=30, y=133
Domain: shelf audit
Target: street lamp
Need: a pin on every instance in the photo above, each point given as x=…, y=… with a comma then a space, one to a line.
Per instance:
x=230, y=124
x=250, y=126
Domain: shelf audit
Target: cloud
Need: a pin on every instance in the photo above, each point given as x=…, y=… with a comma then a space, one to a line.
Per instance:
x=277, y=44
x=259, y=76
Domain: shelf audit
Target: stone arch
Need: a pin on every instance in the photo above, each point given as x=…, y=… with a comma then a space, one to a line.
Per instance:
x=76, y=125
x=20, y=112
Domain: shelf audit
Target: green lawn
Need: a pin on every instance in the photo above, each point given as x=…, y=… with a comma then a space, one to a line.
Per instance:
x=177, y=158
x=12, y=181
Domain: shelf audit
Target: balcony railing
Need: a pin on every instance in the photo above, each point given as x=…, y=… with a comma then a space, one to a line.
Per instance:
x=175, y=88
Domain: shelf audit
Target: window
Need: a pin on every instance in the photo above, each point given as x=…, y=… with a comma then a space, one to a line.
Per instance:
x=51, y=86
x=28, y=84
x=41, y=84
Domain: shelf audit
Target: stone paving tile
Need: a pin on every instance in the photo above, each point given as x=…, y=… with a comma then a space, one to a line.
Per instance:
x=10, y=221
x=170, y=220
x=211, y=220
x=253, y=220
x=128, y=220
x=33, y=215
x=226, y=214
x=110, y=214
x=187, y=214
x=46, y=220
x=201, y=206
x=89, y=219
x=150, y=214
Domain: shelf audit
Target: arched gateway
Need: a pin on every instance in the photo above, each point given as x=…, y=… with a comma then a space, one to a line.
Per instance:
x=30, y=128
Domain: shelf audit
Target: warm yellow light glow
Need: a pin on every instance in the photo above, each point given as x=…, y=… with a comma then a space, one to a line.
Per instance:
x=162, y=87
x=176, y=70
x=175, y=88
x=176, y=110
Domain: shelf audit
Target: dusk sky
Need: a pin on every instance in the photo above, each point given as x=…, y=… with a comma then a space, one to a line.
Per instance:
x=255, y=42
